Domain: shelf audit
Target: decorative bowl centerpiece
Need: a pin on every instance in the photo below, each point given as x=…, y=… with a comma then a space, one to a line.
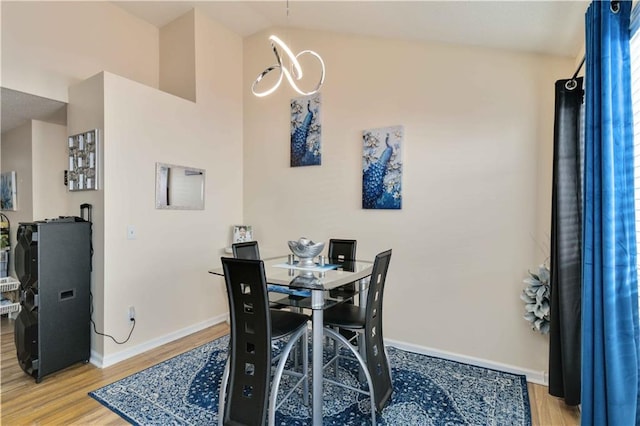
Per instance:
x=306, y=250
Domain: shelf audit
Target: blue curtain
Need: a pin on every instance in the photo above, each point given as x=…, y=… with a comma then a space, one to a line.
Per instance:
x=610, y=338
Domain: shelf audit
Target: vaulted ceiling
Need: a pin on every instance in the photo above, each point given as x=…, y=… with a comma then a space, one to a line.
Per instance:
x=547, y=27
x=550, y=27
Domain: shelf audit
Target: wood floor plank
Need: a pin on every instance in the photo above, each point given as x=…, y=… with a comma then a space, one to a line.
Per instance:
x=62, y=397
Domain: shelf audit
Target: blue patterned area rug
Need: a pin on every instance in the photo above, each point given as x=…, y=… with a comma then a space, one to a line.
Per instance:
x=427, y=391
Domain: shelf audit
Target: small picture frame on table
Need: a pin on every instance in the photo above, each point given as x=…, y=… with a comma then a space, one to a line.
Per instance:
x=242, y=233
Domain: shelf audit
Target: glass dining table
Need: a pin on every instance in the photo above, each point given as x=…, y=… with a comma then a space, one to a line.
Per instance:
x=316, y=288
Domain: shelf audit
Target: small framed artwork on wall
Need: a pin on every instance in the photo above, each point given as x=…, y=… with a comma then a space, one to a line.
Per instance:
x=83, y=161
x=8, y=191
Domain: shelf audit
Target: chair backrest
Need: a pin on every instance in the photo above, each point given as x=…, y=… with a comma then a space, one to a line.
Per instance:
x=248, y=250
x=377, y=362
x=341, y=250
x=250, y=342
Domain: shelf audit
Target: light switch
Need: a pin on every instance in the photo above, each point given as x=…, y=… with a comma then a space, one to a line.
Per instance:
x=131, y=232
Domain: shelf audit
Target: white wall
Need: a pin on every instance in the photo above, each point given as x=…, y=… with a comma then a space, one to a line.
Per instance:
x=163, y=272
x=49, y=159
x=36, y=151
x=85, y=112
x=478, y=128
x=178, y=57
x=16, y=156
x=49, y=46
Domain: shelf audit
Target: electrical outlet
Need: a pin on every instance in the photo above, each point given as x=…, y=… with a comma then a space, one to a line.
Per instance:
x=132, y=313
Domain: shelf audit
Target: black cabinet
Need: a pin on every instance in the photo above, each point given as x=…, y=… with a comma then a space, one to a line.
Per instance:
x=53, y=264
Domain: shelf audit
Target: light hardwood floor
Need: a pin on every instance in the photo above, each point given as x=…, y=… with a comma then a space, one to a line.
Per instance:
x=61, y=398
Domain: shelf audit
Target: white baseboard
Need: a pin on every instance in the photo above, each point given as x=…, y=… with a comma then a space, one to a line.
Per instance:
x=538, y=377
x=103, y=362
x=533, y=376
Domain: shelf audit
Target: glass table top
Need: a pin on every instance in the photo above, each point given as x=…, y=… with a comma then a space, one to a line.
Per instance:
x=332, y=278
x=279, y=272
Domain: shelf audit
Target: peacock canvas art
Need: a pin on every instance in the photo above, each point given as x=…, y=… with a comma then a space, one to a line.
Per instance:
x=305, y=131
x=8, y=191
x=382, y=168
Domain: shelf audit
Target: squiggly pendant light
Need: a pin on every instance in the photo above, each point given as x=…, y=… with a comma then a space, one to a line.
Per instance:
x=296, y=70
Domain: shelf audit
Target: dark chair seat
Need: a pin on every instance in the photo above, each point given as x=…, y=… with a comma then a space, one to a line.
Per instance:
x=345, y=316
x=284, y=323
x=346, y=291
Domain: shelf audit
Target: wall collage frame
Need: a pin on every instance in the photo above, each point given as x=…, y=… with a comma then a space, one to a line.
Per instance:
x=83, y=161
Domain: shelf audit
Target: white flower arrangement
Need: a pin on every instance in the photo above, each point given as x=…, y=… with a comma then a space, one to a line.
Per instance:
x=536, y=298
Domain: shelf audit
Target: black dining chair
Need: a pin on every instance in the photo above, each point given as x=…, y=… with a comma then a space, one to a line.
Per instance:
x=342, y=252
x=251, y=250
x=246, y=250
x=366, y=320
x=245, y=398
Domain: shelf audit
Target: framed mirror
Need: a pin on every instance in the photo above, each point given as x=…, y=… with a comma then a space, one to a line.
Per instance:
x=179, y=187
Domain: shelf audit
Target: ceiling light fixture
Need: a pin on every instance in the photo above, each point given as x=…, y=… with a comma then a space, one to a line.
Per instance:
x=293, y=74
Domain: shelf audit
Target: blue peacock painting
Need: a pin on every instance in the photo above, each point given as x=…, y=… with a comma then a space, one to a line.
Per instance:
x=382, y=168
x=7, y=191
x=305, y=131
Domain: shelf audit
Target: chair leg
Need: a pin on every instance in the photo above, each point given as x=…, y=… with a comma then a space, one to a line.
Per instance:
x=297, y=352
x=305, y=366
x=336, y=363
x=277, y=376
x=339, y=337
x=362, y=349
x=222, y=394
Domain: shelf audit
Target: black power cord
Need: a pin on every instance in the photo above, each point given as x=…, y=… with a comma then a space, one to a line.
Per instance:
x=89, y=207
x=133, y=326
